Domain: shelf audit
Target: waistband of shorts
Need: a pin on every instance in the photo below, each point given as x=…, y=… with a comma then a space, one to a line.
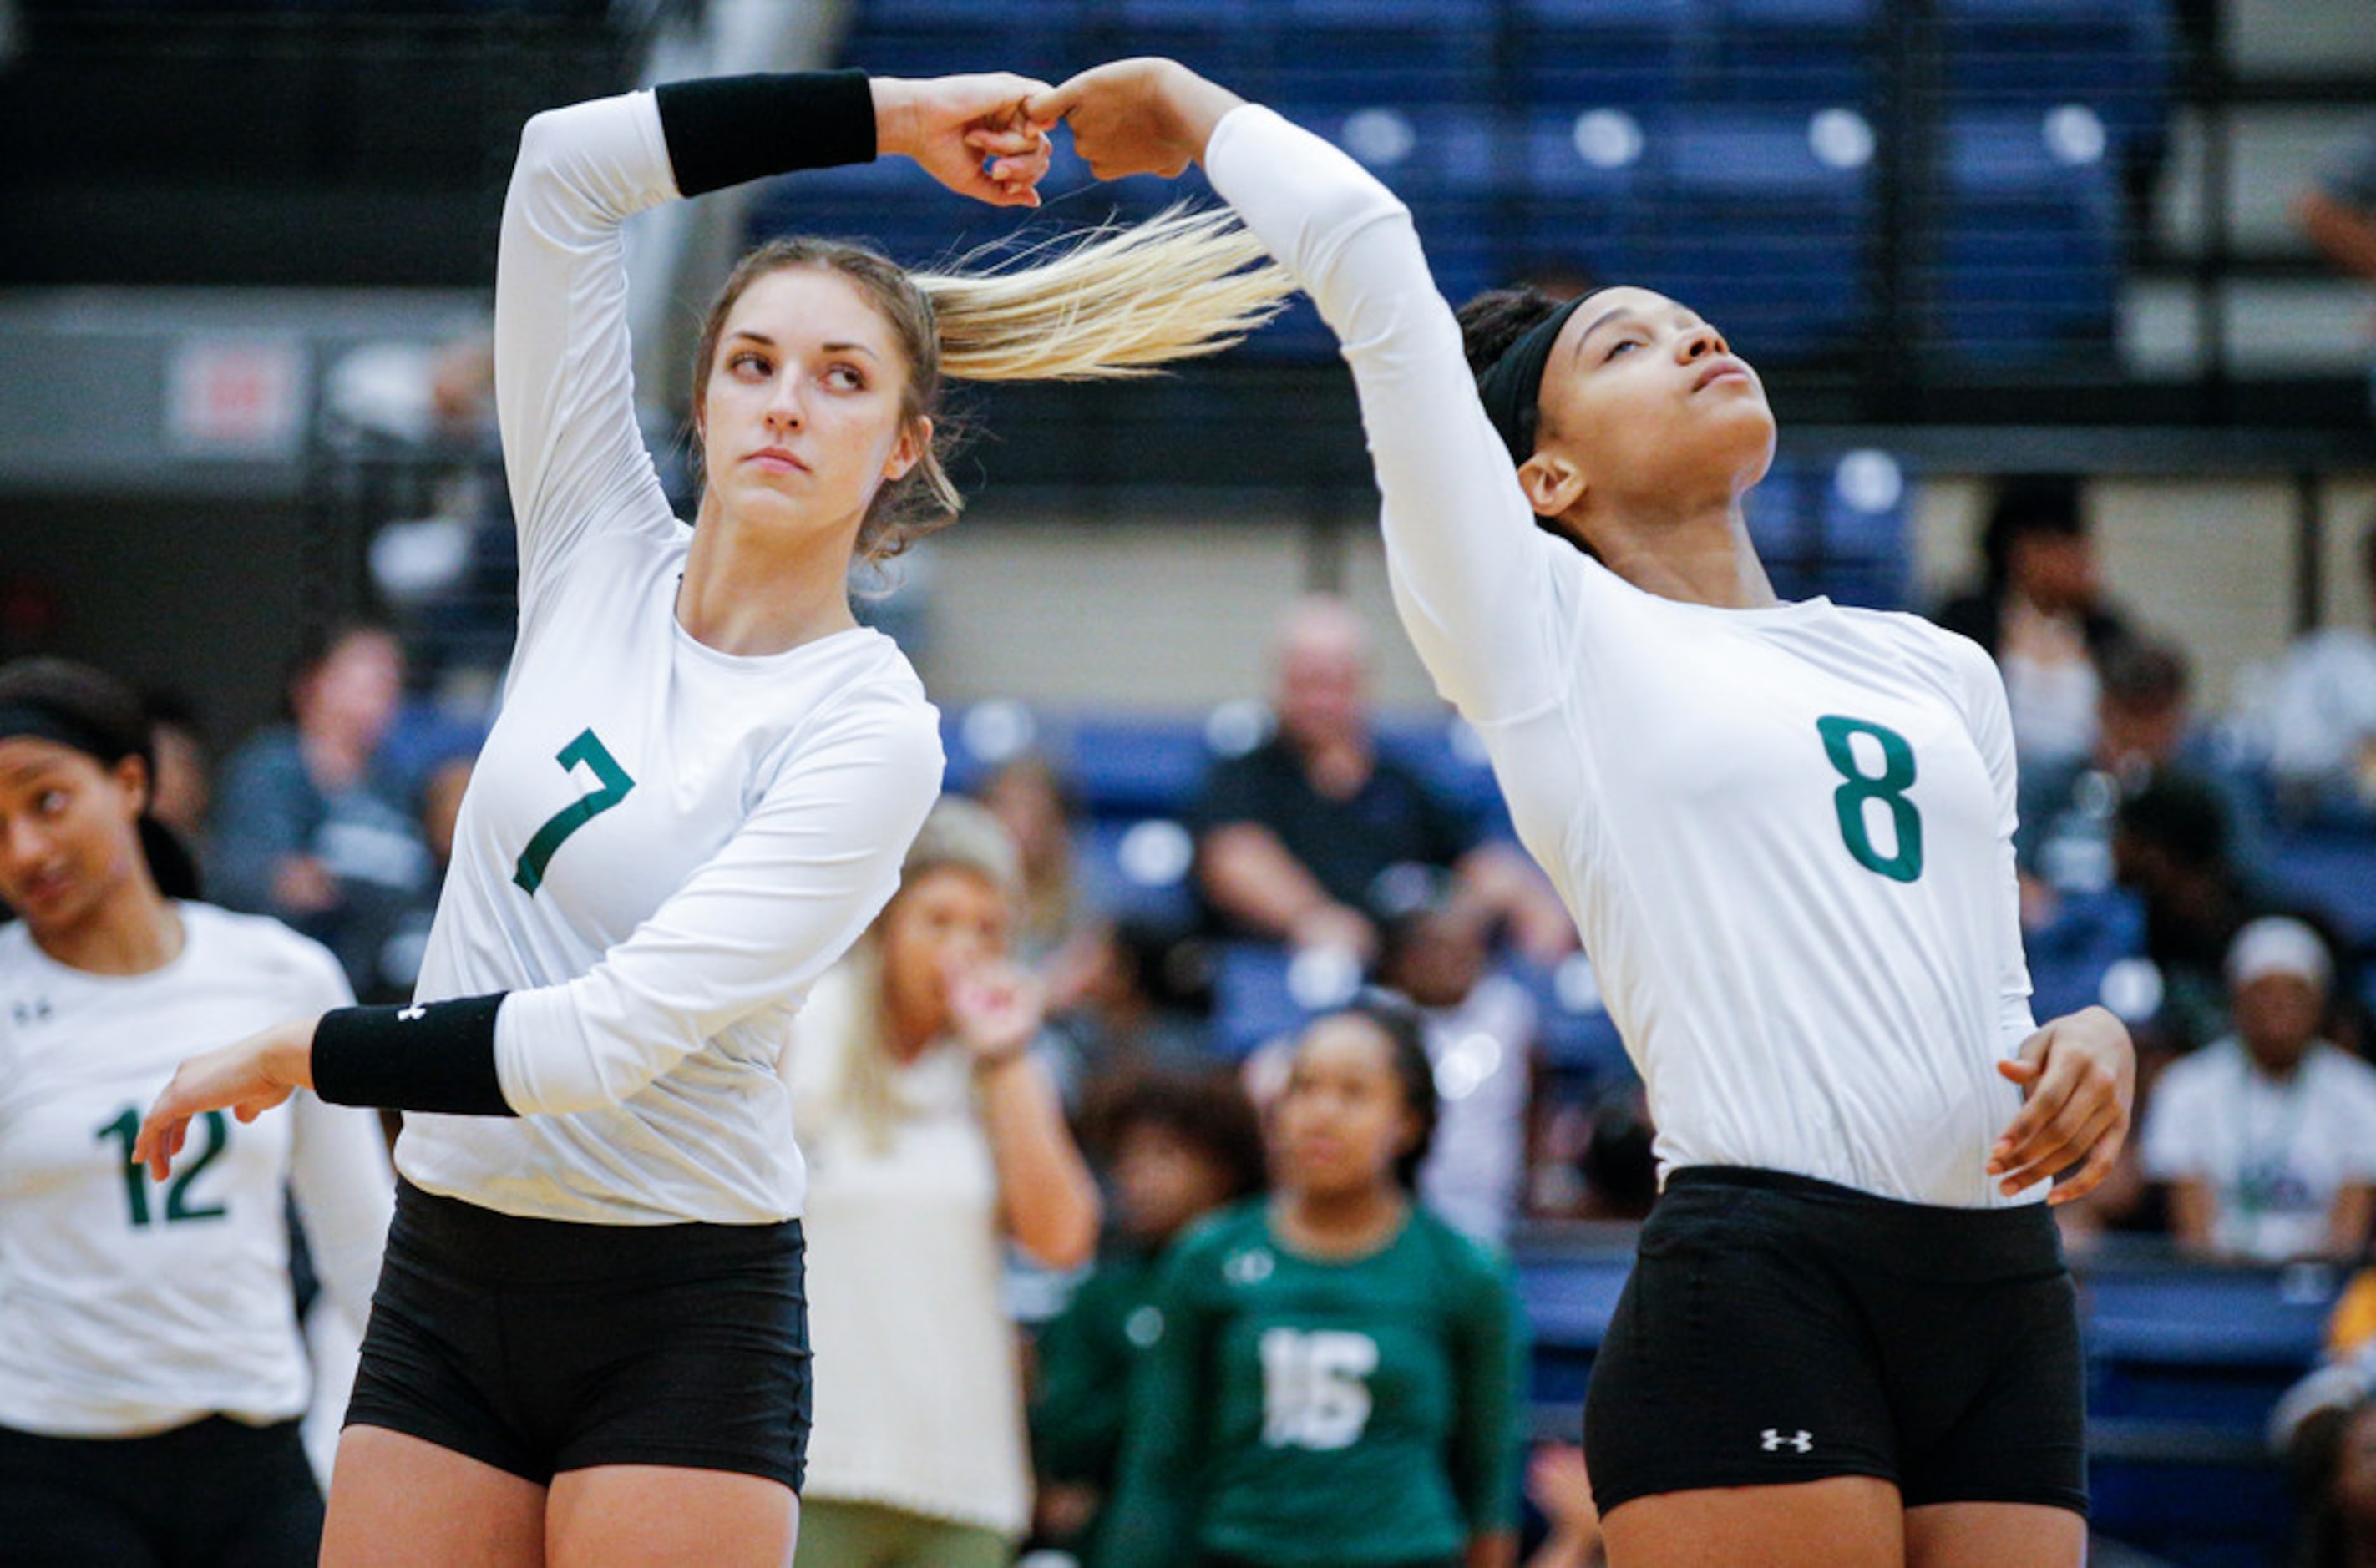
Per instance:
x=505, y=1247
x=1935, y=1239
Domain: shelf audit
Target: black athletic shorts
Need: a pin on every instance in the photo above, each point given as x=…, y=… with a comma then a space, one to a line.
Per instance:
x=1778, y=1328
x=216, y=1493
x=539, y=1346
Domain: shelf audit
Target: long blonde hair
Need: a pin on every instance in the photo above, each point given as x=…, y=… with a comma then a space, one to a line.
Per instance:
x=1115, y=303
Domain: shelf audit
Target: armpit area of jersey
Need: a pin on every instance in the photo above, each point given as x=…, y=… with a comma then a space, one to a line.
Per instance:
x=436, y=1056
x=724, y=130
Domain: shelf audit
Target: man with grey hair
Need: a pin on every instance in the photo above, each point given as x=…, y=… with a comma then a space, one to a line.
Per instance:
x=2267, y=1138
x=1305, y=839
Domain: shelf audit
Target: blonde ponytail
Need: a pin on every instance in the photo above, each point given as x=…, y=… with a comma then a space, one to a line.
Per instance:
x=1116, y=304
x=1125, y=301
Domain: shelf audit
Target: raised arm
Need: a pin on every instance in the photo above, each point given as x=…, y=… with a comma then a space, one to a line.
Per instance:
x=1472, y=574
x=565, y=390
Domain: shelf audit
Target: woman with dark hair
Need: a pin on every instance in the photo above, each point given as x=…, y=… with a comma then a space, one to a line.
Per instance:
x=152, y=1373
x=1330, y=1375
x=695, y=796
x=1784, y=832
x=1172, y=1148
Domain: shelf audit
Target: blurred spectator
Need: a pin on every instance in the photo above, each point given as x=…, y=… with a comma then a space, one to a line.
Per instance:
x=407, y=941
x=1135, y=1010
x=933, y=1138
x=1174, y=1148
x=2039, y=610
x=2268, y=1138
x=2145, y=731
x=1331, y=1374
x=311, y=830
x=2338, y=213
x=1481, y=1035
x=2321, y=721
x=1300, y=839
x=1560, y=1489
x=2170, y=847
x=1027, y=797
x=2332, y=1454
x=183, y=789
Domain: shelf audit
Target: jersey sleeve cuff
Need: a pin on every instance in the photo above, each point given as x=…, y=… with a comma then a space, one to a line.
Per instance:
x=724, y=130
x=436, y=1056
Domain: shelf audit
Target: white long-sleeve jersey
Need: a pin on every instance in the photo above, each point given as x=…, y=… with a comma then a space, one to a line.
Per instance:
x=129, y=1306
x=1786, y=835
x=664, y=845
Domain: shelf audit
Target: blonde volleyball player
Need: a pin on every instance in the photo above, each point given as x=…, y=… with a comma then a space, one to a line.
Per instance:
x=1784, y=832
x=588, y=1340
x=151, y=1370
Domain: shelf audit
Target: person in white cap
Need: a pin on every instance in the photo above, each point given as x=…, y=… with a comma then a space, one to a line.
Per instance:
x=2268, y=1137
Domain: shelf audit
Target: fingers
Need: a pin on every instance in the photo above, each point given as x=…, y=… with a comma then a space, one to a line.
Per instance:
x=2063, y=1144
x=2091, y=1173
x=160, y=1139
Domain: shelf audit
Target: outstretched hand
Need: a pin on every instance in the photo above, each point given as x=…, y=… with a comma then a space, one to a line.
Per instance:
x=1143, y=116
x=2078, y=1076
x=248, y=1078
x=970, y=133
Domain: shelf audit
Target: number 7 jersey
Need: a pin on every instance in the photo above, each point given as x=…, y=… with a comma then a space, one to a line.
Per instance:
x=663, y=846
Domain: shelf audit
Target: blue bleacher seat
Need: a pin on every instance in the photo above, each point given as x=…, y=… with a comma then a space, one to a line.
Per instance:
x=2030, y=237
x=1763, y=227
x=2035, y=55
x=1136, y=765
x=1798, y=53
x=927, y=38
x=1578, y=55
x=1584, y=184
x=1138, y=870
x=2334, y=872
x=1353, y=52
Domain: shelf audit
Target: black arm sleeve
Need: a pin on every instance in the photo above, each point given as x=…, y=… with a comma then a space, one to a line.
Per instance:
x=431, y=1056
x=724, y=130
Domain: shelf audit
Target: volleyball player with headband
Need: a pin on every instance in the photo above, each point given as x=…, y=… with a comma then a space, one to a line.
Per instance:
x=588, y=1339
x=1784, y=832
x=152, y=1372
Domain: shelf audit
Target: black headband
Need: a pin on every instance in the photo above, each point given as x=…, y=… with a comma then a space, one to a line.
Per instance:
x=1512, y=386
x=45, y=723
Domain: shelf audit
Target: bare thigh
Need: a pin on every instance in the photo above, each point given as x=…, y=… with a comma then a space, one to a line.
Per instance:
x=648, y=1516
x=397, y=1501
x=1994, y=1535
x=1840, y=1522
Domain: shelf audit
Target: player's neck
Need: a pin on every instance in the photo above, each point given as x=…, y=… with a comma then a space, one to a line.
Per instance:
x=750, y=590
x=1347, y=1224
x=131, y=932
x=1702, y=557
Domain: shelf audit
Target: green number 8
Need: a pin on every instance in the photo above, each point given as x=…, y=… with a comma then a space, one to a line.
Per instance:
x=1889, y=787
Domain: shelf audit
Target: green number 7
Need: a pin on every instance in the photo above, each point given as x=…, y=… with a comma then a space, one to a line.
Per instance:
x=529, y=873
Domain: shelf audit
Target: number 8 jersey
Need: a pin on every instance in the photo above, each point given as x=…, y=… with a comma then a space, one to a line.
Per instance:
x=1786, y=833
x=129, y=1306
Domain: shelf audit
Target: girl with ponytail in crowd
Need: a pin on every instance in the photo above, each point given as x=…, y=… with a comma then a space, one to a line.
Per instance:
x=590, y=1337
x=152, y=1373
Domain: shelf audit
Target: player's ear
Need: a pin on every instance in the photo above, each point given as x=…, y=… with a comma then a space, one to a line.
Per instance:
x=1552, y=482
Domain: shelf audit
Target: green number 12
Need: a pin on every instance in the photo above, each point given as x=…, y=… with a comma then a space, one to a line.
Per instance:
x=1888, y=787
x=529, y=873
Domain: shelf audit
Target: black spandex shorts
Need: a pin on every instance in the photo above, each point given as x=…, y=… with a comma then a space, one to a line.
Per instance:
x=538, y=1346
x=1779, y=1329
x=213, y=1494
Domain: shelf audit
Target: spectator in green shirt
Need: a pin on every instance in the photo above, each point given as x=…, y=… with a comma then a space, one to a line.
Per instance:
x=1174, y=1148
x=1335, y=1377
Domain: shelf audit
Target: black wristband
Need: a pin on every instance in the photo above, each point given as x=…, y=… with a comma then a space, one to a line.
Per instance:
x=724, y=130
x=431, y=1056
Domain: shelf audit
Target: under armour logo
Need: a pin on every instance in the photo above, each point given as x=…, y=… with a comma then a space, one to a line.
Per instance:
x=28, y=1013
x=1804, y=1442
x=407, y=1014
